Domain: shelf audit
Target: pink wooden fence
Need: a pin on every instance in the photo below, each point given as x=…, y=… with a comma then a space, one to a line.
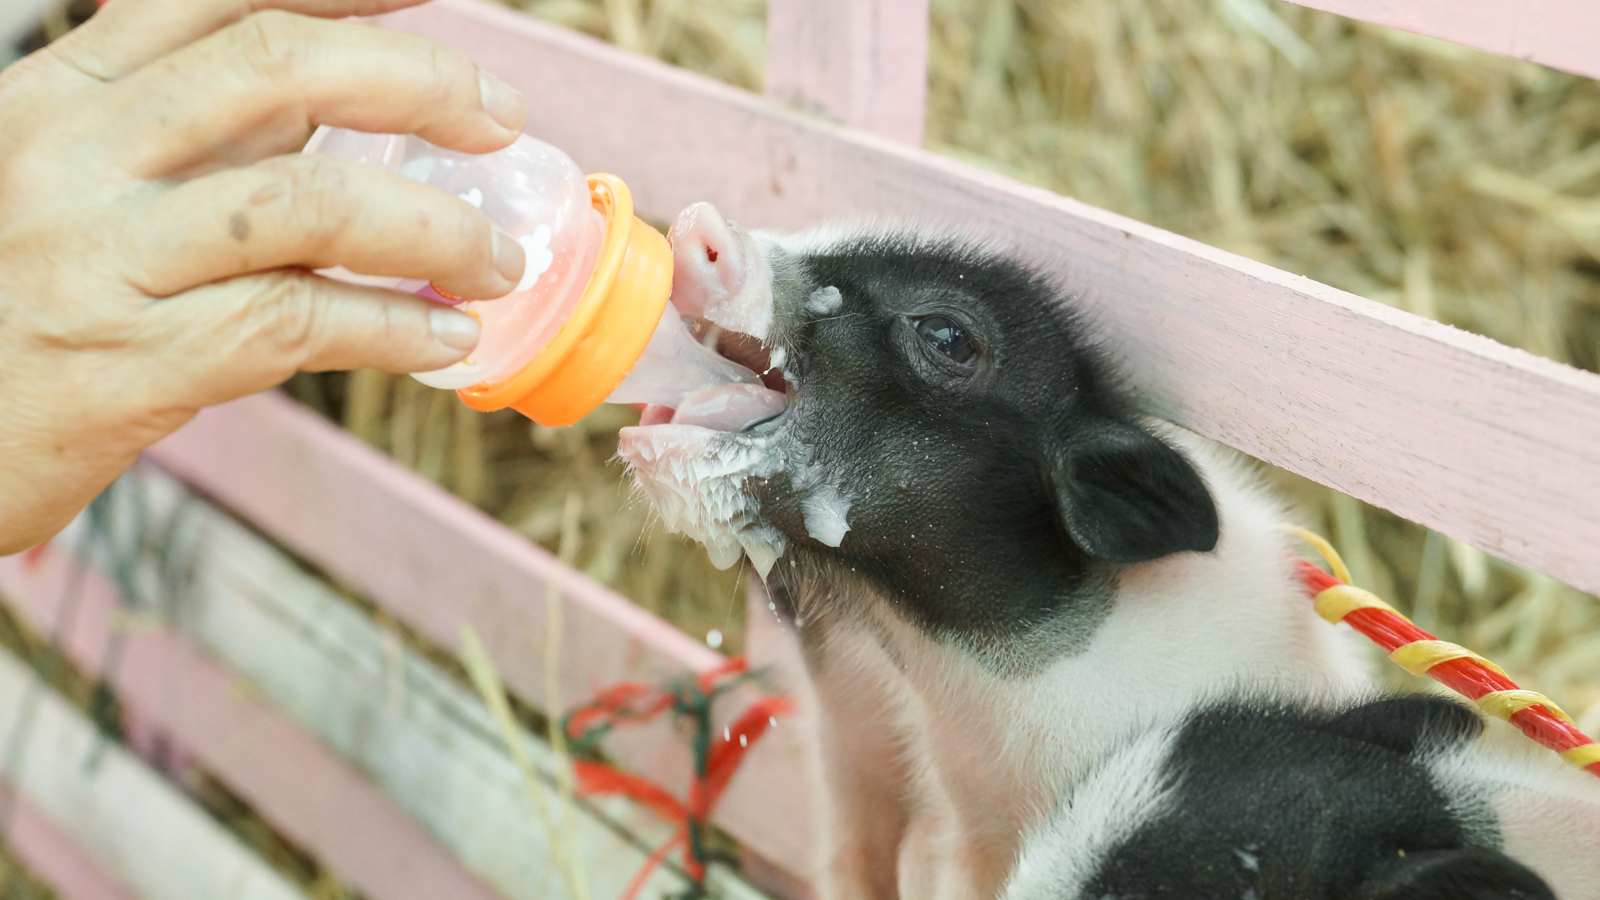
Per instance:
x=310, y=794
x=1487, y=444
x=53, y=858
x=861, y=62
x=1561, y=34
x=436, y=563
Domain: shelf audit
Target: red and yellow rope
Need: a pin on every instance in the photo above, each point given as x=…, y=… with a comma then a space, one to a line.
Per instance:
x=1453, y=666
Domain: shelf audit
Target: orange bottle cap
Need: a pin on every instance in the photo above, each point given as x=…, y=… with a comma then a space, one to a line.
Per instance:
x=606, y=332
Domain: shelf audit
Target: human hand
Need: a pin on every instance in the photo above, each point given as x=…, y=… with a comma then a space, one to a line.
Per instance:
x=156, y=246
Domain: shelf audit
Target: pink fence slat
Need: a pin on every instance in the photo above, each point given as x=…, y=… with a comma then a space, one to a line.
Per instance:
x=437, y=564
x=860, y=62
x=1561, y=34
x=53, y=858
x=317, y=800
x=1481, y=442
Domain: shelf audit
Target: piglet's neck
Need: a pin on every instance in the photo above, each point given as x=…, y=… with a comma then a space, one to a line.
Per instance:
x=1181, y=630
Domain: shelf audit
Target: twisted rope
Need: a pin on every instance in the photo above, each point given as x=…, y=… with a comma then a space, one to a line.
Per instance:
x=1452, y=665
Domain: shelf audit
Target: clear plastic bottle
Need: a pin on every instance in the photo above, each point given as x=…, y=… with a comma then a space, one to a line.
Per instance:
x=591, y=321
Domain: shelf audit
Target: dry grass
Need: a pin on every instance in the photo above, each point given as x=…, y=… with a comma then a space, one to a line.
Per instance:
x=17, y=883
x=1451, y=183
x=524, y=474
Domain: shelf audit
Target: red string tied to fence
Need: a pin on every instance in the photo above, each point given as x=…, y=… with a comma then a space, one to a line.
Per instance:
x=717, y=757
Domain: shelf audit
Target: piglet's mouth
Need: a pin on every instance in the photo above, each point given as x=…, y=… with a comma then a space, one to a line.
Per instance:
x=694, y=461
x=722, y=285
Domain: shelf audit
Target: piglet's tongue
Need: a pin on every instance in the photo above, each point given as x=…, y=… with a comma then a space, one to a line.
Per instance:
x=729, y=407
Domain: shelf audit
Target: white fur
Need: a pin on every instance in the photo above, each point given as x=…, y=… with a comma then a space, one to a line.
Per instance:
x=831, y=235
x=1112, y=801
x=695, y=477
x=1547, y=813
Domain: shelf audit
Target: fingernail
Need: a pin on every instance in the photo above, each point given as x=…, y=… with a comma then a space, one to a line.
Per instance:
x=509, y=259
x=504, y=103
x=458, y=331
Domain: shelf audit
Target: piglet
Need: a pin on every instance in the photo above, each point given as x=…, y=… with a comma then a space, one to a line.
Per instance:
x=996, y=565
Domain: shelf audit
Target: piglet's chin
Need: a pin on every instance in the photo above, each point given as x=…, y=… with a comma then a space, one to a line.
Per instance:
x=695, y=477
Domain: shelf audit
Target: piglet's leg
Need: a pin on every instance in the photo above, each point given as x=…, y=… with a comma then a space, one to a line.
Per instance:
x=940, y=859
x=720, y=272
x=862, y=820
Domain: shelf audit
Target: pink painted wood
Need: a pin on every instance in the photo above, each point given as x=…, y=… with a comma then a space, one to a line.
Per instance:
x=314, y=797
x=1482, y=442
x=860, y=62
x=1561, y=34
x=53, y=858
x=438, y=564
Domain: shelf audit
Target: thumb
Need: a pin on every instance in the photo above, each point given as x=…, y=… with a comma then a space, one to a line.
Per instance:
x=248, y=334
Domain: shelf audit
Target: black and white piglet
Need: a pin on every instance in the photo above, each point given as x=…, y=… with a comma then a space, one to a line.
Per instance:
x=996, y=566
x=1379, y=800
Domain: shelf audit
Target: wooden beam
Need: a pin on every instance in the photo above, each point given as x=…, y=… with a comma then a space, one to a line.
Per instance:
x=423, y=739
x=137, y=828
x=52, y=857
x=437, y=563
x=1561, y=34
x=1484, y=443
x=313, y=797
x=860, y=62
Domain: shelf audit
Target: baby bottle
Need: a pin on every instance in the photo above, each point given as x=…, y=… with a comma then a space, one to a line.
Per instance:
x=590, y=321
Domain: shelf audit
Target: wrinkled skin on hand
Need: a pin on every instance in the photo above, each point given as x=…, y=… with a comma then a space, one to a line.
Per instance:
x=156, y=242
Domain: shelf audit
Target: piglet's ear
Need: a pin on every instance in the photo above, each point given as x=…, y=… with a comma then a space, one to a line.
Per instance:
x=1126, y=497
x=1400, y=723
x=1473, y=873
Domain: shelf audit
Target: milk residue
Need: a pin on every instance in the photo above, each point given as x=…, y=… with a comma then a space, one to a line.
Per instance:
x=697, y=480
x=826, y=513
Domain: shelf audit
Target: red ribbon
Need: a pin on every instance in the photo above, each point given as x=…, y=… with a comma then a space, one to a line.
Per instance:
x=633, y=703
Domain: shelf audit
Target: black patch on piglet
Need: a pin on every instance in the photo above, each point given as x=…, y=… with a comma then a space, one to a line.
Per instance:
x=1283, y=802
x=1401, y=723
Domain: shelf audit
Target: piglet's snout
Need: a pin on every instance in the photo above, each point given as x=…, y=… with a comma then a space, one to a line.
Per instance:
x=719, y=273
x=708, y=261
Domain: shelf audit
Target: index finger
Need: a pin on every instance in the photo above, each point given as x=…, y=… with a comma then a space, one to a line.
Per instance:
x=256, y=88
x=128, y=34
x=316, y=212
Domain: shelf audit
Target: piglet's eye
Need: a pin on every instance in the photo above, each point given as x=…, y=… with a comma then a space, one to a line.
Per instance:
x=945, y=336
